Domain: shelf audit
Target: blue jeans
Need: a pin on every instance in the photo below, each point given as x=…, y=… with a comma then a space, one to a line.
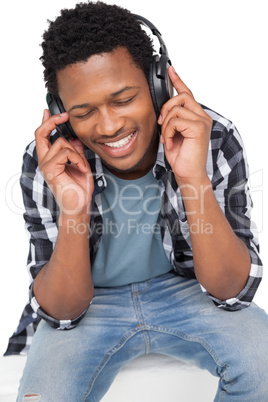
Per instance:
x=168, y=315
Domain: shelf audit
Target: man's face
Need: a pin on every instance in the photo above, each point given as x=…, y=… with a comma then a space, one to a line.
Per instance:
x=111, y=111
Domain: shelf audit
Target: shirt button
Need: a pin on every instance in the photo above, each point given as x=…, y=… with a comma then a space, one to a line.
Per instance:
x=100, y=183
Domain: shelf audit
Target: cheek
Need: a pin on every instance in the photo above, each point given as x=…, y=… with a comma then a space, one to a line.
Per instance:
x=149, y=120
x=81, y=129
x=145, y=112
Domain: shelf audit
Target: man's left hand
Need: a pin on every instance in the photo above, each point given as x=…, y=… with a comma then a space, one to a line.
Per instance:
x=185, y=133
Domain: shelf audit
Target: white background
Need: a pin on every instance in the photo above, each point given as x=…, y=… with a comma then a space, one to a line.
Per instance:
x=218, y=48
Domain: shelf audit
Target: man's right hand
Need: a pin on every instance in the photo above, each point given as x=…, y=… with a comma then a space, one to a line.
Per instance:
x=64, y=167
x=63, y=287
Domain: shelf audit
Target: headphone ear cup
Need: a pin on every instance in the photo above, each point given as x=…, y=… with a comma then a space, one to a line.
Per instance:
x=160, y=85
x=55, y=106
x=151, y=84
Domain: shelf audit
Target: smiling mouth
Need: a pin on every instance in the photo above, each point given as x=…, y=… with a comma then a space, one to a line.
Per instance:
x=120, y=143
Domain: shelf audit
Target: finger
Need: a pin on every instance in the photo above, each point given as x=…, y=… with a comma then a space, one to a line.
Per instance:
x=181, y=128
x=43, y=132
x=177, y=82
x=183, y=100
x=78, y=145
x=57, y=164
x=62, y=148
x=46, y=115
x=173, y=128
x=181, y=113
x=181, y=88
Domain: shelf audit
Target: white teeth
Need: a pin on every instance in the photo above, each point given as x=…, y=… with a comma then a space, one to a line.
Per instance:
x=121, y=143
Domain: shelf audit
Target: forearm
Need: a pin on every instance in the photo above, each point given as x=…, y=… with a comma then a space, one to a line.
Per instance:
x=221, y=259
x=63, y=287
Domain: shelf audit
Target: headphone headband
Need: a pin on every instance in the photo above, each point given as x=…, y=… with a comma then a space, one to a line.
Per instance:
x=155, y=31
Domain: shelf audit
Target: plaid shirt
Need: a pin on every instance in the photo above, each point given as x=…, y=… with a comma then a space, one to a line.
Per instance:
x=228, y=171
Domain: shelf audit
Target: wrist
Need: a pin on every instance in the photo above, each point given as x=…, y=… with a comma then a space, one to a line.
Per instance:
x=77, y=224
x=195, y=194
x=196, y=183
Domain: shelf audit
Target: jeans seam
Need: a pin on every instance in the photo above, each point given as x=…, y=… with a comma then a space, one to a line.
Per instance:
x=189, y=338
x=108, y=356
x=209, y=349
x=227, y=387
x=140, y=318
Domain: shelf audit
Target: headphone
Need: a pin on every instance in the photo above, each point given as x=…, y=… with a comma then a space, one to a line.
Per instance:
x=160, y=86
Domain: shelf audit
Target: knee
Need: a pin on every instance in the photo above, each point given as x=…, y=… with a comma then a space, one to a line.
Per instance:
x=247, y=375
x=251, y=351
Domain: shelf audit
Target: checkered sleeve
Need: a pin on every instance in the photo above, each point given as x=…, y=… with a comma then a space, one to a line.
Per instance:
x=229, y=175
x=41, y=212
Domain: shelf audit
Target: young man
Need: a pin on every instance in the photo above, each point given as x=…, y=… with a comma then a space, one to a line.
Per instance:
x=128, y=218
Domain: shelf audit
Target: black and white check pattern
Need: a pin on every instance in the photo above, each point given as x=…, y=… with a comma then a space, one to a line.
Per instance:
x=228, y=171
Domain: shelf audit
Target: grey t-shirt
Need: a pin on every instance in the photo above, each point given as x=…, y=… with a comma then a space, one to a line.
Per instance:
x=131, y=248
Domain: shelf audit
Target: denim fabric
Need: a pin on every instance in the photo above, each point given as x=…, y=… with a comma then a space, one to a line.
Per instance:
x=169, y=315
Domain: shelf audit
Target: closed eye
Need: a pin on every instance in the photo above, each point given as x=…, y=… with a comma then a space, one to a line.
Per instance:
x=82, y=116
x=124, y=101
x=118, y=103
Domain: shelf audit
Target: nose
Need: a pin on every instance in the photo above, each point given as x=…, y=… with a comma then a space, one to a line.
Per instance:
x=109, y=122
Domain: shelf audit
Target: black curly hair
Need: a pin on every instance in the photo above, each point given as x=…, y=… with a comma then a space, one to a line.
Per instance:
x=89, y=29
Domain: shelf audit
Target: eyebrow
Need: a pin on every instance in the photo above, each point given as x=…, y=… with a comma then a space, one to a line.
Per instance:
x=112, y=95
